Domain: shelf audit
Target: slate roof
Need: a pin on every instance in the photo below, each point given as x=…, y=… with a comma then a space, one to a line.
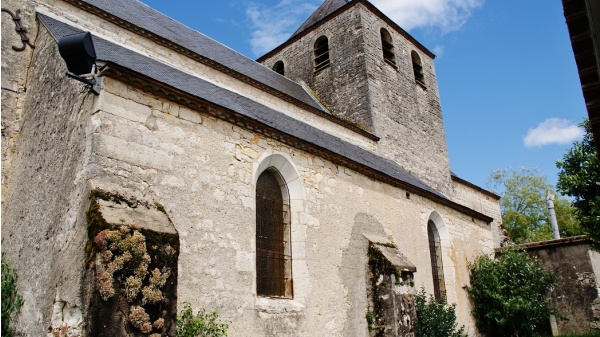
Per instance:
x=326, y=8
x=187, y=83
x=142, y=16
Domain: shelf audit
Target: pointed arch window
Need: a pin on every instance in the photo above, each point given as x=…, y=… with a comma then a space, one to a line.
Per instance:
x=387, y=45
x=321, y=53
x=279, y=68
x=437, y=266
x=273, y=234
x=417, y=68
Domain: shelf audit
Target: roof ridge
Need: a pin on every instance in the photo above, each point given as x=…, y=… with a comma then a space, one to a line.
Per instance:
x=326, y=8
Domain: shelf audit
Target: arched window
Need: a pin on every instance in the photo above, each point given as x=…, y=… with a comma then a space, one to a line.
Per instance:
x=417, y=68
x=388, y=47
x=437, y=266
x=279, y=68
x=321, y=53
x=273, y=234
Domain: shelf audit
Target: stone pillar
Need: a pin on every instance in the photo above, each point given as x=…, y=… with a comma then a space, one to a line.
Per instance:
x=392, y=308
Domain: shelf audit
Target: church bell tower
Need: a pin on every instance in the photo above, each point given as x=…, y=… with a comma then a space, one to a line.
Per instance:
x=367, y=70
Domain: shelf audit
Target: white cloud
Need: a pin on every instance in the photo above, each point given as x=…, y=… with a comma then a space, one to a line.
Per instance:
x=553, y=131
x=438, y=50
x=271, y=26
x=447, y=15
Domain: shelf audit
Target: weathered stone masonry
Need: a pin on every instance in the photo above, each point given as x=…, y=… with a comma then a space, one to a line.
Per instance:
x=43, y=230
x=192, y=134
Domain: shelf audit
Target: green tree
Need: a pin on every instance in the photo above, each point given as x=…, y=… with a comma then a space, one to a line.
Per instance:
x=510, y=294
x=524, y=209
x=566, y=217
x=579, y=177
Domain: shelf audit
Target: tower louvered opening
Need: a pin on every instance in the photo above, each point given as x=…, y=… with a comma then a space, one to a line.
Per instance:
x=321, y=53
x=387, y=45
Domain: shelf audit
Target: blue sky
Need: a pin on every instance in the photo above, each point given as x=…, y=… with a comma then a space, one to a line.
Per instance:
x=507, y=76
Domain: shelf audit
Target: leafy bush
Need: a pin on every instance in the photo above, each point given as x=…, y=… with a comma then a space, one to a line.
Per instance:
x=435, y=319
x=579, y=177
x=11, y=300
x=510, y=294
x=204, y=324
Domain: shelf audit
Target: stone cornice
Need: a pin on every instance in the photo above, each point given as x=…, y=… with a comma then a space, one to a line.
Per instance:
x=475, y=187
x=154, y=87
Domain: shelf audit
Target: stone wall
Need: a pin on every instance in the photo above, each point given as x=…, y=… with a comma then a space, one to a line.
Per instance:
x=44, y=195
x=575, y=296
x=14, y=79
x=482, y=201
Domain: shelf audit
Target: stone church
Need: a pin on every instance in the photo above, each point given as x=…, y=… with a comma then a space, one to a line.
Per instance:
x=307, y=193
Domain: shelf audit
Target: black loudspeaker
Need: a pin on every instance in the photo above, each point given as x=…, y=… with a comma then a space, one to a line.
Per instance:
x=78, y=52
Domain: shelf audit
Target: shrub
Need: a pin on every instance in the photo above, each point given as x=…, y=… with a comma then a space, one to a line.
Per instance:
x=435, y=319
x=510, y=294
x=11, y=300
x=204, y=324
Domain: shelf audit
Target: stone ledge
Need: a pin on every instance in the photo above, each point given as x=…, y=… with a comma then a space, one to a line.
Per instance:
x=145, y=217
x=582, y=239
x=277, y=305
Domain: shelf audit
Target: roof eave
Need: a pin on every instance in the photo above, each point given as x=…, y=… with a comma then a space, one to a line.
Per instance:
x=218, y=66
x=161, y=89
x=475, y=187
x=583, y=22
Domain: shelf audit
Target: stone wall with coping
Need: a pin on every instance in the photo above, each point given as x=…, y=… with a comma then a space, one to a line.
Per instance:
x=575, y=296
